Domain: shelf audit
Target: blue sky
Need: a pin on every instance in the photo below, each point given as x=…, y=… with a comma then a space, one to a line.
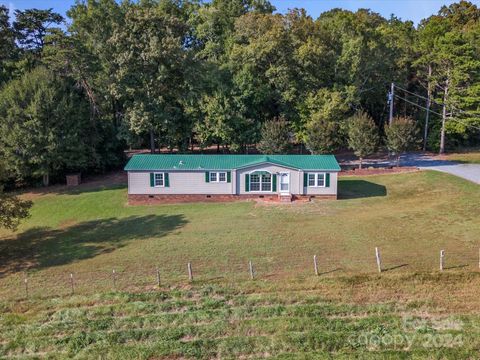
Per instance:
x=414, y=10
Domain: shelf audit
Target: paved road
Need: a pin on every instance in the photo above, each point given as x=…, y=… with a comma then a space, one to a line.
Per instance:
x=424, y=161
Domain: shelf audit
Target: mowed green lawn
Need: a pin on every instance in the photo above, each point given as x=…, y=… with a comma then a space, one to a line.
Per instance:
x=90, y=232
x=410, y=311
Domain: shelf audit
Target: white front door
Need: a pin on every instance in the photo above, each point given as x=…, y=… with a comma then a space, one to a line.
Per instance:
x=284, y=182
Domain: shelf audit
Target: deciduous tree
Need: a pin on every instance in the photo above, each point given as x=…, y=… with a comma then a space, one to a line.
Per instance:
x=362, y=135
x=276, y=137
x=12, y=208
x=45, y=127
x=151, y=70
x=401, y=135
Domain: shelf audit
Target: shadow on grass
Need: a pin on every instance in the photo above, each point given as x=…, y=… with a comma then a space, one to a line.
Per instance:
x=93, y=189
x=394, y=267
x=82, y=189
x=455, y=267
x=42, y=247
x=357, y=189
x=329, y=271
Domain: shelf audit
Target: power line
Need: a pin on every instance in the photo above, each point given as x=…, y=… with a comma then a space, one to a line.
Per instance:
x=432, y=101
x=420, y=106
x=420, y=96
x=441, y=104
x=434, y=112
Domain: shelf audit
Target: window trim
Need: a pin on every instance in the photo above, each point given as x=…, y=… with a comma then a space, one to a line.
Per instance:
x=260, y=177
x=155, y=179
x=280, y=181
x=316, y=180
x=217, y=176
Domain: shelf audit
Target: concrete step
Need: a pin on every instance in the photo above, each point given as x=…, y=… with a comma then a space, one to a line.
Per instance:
x=285, y=197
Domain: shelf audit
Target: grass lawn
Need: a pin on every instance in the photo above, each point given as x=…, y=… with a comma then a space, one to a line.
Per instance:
x=410, y=217
x=368, y=317
x=471, y=156
x=286, y=312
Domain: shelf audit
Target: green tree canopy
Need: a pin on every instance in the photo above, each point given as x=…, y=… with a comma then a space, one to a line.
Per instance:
x=12, y=208
x=151, y=72
x=276, y=137
x=362, y=135
x=401, y=135
x=45, y=127
x=8, y=49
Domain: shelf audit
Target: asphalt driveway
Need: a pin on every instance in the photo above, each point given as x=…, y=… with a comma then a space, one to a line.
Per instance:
x=425, y=161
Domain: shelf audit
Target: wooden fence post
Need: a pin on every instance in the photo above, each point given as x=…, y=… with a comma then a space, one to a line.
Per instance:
x=315, y=264
x=379, y=261
x=250, y=267
x=26, y=286
x=114, y=277
x=71, y=283
x=442, y=259
x=190, y=272
x=158, y=277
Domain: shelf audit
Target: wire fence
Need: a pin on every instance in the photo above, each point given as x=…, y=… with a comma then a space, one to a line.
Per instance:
x=54, y=283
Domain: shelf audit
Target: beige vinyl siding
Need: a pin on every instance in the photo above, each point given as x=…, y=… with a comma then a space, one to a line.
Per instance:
x=193, y=182
x=331, y=190
x=273, y=169
x=181, y=182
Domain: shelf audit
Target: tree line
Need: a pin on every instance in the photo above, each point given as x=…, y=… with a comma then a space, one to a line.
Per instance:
x=75, y=93
x=233, y=74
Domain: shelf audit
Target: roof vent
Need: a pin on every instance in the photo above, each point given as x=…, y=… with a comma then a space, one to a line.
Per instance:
x=180, y=163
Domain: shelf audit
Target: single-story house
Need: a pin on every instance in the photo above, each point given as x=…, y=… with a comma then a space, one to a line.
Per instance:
x=185, y=178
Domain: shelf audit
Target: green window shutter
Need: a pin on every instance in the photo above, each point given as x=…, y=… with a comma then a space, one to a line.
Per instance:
x=166, y=180
x=247, y=182
x=327, y=180
x=305, y=179
x=229, y=176
x=152, y=180
x=207, y=176
x=274, y=182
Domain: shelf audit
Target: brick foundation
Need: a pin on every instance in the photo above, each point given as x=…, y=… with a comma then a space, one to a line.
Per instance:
x=136, y=199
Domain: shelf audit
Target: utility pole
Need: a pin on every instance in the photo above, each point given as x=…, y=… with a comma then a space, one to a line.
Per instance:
x=444, y=117
x=391, y=97
x=429, y=91
x=152, y=142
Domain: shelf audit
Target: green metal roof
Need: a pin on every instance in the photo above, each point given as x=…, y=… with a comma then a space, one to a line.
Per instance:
x=229, y=162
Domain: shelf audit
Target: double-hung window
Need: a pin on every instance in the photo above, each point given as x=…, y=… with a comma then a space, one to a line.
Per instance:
x=321, y=180
x=213, y=177
x=159, y=180
x=260, y=182
x=254, y=182
x=316, y=180
x=267, y=182
x=218, y=177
